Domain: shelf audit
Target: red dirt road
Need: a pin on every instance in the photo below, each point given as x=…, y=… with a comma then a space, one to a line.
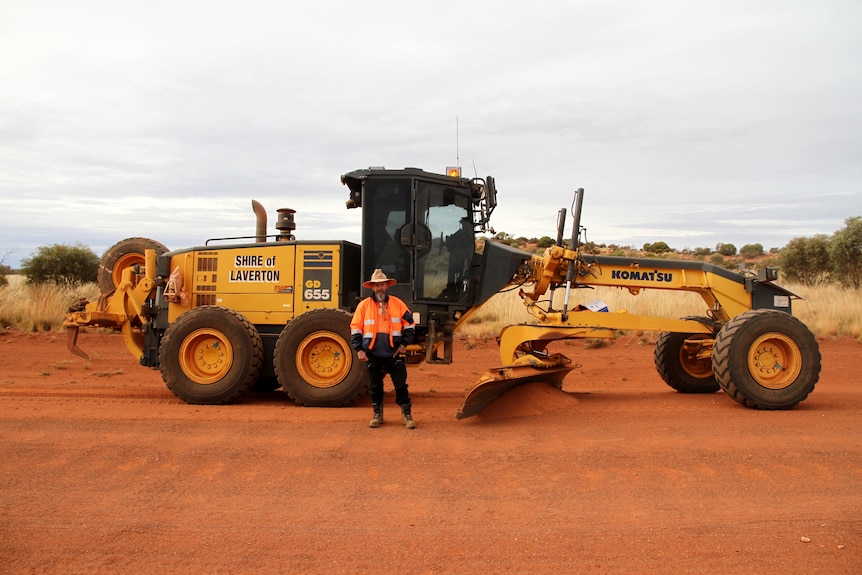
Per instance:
x=103, y=470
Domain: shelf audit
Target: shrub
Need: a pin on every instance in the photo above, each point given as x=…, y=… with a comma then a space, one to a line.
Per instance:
x=846, y=252
x=61, y=264
x=726, y=249
x=751, y=251
x=505, y=238
x=657, y=248
x=806, y=260
x=4, y=271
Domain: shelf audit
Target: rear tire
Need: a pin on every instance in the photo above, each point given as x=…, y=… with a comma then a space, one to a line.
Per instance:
x=314, y=361
x=210, y=355
x=123, y=254
x=766, y=359
x=680, y=367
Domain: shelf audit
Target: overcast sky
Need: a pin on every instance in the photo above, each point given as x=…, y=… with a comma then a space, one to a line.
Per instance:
x=686, y=122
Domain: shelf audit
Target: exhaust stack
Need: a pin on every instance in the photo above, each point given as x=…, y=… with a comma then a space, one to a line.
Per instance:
x=260, y=216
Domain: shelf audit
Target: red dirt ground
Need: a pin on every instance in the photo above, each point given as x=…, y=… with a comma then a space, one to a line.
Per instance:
x=103, y=470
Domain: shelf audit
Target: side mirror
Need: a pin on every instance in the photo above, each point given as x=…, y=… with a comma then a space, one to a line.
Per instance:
x=490, y=194
x=486, y=201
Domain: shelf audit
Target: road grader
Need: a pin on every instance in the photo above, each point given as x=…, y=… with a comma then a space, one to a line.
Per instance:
x=217, y=318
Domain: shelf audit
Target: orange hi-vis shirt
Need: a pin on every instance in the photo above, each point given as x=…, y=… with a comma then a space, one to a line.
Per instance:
x=371, y=318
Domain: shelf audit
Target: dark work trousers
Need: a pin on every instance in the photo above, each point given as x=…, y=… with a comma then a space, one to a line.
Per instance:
x=378, y=367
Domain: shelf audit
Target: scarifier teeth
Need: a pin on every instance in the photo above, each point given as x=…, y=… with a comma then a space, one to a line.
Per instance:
x=72, y=342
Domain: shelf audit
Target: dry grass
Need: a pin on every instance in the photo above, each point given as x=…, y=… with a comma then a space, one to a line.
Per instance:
x=829, y=311
x=39, y=307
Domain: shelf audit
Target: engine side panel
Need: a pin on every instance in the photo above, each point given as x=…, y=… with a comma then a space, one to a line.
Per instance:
x=269, y=283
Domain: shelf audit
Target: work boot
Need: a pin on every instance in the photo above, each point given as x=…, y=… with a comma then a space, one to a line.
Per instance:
x=377, y=419
x=407, y=418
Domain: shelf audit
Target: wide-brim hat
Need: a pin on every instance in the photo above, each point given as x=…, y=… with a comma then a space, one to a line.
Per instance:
x=378, y=277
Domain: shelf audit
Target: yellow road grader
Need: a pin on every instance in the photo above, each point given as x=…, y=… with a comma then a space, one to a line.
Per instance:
x=216, y=318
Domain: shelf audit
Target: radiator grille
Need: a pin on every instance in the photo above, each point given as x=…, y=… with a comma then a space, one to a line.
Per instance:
x=205, y=288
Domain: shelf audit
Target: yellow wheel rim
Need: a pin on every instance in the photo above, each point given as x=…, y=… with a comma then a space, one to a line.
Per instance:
x=774, y=360
x=124, y=262
x=323, y=359
x=692, y=362
x=206, y=356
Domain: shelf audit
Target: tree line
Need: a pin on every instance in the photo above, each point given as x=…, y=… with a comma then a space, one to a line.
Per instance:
x=815, y=260
x=821, y=259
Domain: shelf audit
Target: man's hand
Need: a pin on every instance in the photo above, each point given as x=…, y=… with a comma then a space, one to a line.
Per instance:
x=401, y=350
x=362, y=355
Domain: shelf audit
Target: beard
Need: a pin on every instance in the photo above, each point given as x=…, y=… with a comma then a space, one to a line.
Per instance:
x=380, y=296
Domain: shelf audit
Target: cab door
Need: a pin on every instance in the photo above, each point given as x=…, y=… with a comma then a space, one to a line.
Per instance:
x=386, y=242
x=443, y=242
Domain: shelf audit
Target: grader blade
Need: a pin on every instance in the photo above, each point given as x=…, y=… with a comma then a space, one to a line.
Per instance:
x=498, y=380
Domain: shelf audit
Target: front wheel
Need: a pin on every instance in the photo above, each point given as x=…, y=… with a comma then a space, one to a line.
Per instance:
x=766, y=359
x=315, y=363
x=684, y=362
x=210, y=355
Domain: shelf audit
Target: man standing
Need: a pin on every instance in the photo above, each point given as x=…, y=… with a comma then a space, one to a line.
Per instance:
x=380, y=331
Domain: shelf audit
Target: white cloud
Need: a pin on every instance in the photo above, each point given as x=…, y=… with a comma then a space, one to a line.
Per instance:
x=687, y=122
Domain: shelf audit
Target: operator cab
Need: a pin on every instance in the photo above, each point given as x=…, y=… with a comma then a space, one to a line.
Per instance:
x=420, y=228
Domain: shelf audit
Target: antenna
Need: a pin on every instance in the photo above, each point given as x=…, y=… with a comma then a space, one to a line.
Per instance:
x=457, y=144
x=455, y=171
